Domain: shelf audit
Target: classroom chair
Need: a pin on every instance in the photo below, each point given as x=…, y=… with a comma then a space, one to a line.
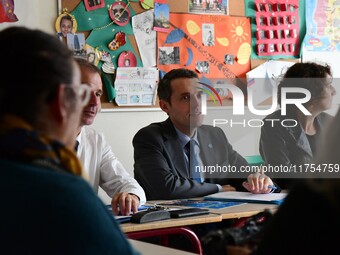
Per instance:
x=166, y=232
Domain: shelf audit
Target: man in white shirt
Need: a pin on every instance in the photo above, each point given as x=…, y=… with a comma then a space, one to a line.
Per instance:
x=100, y=163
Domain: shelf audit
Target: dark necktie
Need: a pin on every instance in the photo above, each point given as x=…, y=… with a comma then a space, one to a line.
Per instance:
x=193, y=160
x=76, y=146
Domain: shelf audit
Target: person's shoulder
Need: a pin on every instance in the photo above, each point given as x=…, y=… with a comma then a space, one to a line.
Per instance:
x=153, y=128
x=43, y=175
x=211, y=131
x=275, y=115
x=209, y=128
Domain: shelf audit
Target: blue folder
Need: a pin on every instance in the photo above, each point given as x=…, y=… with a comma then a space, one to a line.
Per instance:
x=123, y=219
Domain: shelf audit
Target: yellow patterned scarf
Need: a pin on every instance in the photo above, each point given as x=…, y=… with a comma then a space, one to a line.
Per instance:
x=19, y=142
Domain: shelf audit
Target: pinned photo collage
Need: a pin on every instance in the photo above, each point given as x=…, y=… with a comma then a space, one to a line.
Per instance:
x=136, y=86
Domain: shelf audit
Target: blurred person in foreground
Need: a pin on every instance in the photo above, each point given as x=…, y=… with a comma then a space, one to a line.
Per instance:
x=48, y=208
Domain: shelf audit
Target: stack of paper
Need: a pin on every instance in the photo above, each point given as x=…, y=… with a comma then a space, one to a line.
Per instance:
x=247, y=197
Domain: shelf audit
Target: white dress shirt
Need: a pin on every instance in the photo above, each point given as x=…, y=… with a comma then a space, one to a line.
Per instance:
x=102, y=166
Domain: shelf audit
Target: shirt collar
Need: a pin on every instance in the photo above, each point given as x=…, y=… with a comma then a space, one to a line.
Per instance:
x=80, y=135
x=184, y=139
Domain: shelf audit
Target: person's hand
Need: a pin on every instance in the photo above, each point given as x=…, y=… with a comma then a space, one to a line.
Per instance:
x=227, y=188
x=258, y=183
x=124, y=203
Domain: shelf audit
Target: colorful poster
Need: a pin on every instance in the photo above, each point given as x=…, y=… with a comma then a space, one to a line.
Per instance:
x=323, y=25
x=136, y=86
x=251, y=12
x=214, y=46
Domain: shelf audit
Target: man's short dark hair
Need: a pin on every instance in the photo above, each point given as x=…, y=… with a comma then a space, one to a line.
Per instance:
x=308, y=75
x=164, y=90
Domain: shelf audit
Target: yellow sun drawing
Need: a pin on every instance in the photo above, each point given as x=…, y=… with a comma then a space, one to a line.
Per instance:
x=238, y=31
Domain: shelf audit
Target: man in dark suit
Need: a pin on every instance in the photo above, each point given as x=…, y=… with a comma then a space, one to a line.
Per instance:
x=161, y=165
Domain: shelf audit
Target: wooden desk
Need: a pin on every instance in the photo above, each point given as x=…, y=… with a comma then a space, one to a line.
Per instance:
x=153, y=249
x=203, y=219
x=216, y=215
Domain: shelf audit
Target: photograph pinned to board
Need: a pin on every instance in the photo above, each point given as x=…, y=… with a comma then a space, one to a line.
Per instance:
x=161, y=17
x=119, y=13
x=136, y=86
x=91, y=5
x=203, y=67
x=127, y=59
x=93, y=54
x=208, y=34
x=168, y=55
x=216, y=7
x=65, y=24
x=76, y=42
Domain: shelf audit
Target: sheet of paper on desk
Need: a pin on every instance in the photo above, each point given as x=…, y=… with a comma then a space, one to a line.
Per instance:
x=201, y=203
x=238, y=196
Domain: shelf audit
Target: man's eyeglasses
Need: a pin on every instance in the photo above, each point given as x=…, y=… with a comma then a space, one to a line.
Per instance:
x=83, y=91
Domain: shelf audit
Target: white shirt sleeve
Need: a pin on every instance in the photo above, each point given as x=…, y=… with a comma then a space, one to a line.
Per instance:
x=103, y=167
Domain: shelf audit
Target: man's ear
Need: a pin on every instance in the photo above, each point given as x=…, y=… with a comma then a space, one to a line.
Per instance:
x=58, y=104
x=164, y=105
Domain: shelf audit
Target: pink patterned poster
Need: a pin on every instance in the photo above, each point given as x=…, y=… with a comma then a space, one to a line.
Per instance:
x=277, y=27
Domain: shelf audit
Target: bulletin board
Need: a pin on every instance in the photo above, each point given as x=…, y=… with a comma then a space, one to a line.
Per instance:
x=179, y=10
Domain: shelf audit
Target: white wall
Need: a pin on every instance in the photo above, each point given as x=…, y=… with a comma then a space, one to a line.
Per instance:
x=120, y=127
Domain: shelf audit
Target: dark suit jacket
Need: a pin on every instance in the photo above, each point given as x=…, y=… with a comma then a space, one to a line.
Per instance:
x=161, y=168
x=288, y=146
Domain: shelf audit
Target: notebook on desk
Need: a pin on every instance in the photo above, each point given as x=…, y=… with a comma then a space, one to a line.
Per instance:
x=247, y=197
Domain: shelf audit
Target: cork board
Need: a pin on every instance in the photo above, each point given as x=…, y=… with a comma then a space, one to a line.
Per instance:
x=236, y=8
